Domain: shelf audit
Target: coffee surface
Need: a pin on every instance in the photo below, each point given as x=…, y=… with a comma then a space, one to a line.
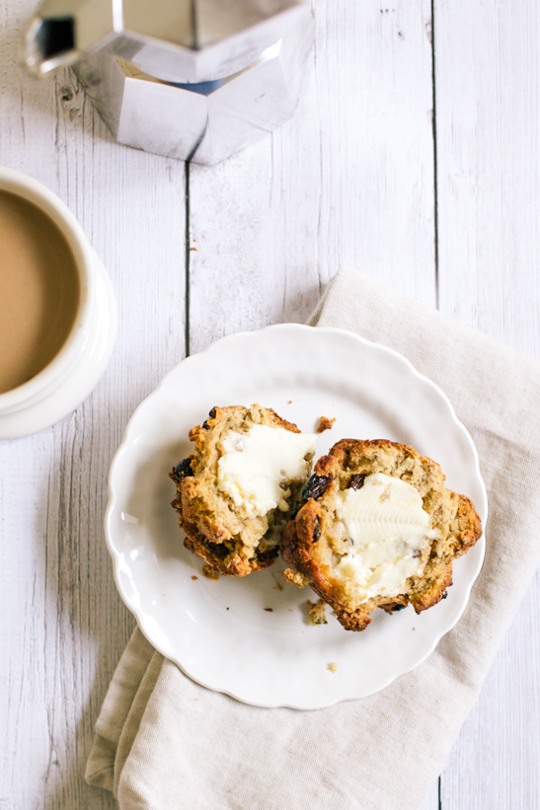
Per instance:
x=39, y=290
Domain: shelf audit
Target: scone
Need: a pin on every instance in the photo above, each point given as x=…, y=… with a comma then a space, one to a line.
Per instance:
x=377, y=528
x=236, y=492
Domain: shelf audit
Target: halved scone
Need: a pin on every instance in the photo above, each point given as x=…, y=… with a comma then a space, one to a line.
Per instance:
x=237, y=490
x=377, y=528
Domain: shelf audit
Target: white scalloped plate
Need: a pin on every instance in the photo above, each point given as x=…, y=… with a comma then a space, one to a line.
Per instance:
x=250, y=637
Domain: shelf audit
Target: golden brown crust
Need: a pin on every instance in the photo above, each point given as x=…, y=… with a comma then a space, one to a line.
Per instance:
x=229, y=540
x=311, y=543
x=295, y=578
x=317, y=612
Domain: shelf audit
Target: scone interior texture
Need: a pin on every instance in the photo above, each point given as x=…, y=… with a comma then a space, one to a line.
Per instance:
x=235, y=493
x=377, y=528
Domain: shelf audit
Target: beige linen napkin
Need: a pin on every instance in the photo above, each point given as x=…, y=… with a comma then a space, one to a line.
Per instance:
x=164, y=742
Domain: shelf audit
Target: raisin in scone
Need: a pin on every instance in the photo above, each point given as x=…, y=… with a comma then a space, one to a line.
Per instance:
x=377, y=528
x=236, y=492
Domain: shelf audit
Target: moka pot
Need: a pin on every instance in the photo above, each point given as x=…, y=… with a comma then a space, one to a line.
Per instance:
x=191, y=79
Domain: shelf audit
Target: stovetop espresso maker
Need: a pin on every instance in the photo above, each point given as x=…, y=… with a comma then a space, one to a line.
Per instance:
x=191, y=79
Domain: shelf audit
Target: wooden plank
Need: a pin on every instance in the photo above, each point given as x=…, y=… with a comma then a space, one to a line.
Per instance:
x=488, y=167
x=68, y=626
x=350, y=178
x=494, y=762
x=487, y=89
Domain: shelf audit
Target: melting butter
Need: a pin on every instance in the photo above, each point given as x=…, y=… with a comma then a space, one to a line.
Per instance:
x=255, y=466
x=388, y=529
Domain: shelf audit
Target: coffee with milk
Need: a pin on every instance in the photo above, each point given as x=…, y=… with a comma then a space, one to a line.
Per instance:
x=39, y=290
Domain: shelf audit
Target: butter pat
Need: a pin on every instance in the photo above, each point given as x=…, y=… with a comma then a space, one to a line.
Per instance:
x=256, y=465
x=388, y=529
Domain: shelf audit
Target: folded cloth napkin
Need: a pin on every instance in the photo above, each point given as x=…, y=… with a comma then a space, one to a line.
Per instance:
x=164, y=742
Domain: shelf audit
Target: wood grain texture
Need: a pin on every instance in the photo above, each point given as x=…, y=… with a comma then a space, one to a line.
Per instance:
x=487, y=123
x=66, y=624
x=350, y=178
x=488, y=167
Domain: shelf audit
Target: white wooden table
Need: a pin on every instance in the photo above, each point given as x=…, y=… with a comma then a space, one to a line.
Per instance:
x=414, y=156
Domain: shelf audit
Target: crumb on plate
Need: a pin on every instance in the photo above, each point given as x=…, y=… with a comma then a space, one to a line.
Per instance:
x=325, y=423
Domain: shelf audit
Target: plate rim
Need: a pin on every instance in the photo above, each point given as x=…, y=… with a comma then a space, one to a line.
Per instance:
x=482, y=508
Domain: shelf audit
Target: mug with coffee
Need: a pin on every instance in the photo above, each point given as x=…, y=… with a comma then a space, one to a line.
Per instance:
x=57, y=309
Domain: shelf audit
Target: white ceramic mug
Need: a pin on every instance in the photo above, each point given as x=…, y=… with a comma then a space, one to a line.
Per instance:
x=74, y=371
